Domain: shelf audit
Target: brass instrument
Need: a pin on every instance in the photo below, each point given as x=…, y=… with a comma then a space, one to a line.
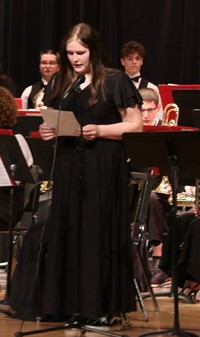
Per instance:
x=165, y=186
x=183, y=199
x=45, y=186
x=168, y=118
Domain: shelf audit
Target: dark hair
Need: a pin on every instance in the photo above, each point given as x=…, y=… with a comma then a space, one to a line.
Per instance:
x=88, y=37
x=132, y=47
x=7, y=82
x=8, y=109
x=51, y=52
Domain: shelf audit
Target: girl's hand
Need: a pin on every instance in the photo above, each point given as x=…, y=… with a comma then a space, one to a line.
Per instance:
x=46, y=132
x=90, y=131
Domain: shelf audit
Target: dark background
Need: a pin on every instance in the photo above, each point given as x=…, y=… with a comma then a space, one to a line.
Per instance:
x=169, y=30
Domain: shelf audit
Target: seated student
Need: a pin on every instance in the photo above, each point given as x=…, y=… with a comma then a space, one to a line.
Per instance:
x=188, y=233
x=189, y=260
x=49, y=65
x=150, y=107
x=132, y=58
x=8, y=112
x=159, y=205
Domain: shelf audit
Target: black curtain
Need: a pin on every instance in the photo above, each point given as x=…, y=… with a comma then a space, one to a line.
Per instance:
x=169, y=30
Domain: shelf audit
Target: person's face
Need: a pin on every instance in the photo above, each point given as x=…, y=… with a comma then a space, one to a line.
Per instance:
x=149, y=111
x=79, y=57
x=48, y=66
x=132, y=63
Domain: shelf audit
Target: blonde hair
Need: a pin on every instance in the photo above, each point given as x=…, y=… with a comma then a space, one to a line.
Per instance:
x=149, y=94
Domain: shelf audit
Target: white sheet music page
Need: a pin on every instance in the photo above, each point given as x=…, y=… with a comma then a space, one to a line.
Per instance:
x=4, y=177
x=64, y=122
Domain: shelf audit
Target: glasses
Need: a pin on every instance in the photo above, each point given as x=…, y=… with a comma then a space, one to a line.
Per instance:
x=150, y=110
x=50, y=63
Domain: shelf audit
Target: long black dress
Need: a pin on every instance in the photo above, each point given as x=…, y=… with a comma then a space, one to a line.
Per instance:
x=89, y=263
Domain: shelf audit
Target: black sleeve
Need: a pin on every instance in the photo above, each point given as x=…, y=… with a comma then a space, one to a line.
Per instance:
x=125, y=92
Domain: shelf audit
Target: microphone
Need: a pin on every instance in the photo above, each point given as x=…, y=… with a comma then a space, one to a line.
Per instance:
x=75, y=85
x=73, y=88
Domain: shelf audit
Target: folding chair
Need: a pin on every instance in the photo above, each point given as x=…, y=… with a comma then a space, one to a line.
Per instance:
x=139, y=204
x=31, y=202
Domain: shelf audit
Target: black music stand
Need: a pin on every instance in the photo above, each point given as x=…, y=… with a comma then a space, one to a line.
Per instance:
x=172, y=153
x=18, y=170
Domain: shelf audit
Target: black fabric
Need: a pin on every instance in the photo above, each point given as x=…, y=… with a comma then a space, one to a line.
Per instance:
x=9, y=84
x=89, y=257
x=157, y=221
x=172, y=43
x=87, y=210
x=143, y=83
x=178, y=234
x=190, y=251
x=135, y=79
x=27, y=282
x=18, y=206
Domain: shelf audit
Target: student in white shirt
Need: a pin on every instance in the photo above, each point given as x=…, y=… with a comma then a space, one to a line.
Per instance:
x=49, y=65
x=132, y=58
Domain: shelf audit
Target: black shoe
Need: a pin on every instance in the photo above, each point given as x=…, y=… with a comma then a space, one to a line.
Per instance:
x=113, y=323
x=99, y=324
x=116, y=323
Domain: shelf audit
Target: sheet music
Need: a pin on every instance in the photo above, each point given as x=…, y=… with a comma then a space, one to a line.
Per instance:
x=64, y=122
x=4, y=177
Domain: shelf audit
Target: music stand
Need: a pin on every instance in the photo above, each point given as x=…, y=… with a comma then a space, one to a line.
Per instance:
x=18, y=170
x=172, y=153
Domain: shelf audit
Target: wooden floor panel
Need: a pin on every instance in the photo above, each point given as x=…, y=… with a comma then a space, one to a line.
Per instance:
x=189, y=318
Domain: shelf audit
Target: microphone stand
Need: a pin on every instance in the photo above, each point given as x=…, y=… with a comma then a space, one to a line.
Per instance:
x=76, y=321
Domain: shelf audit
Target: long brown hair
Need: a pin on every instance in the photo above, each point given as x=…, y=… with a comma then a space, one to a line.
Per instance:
x=89, y=37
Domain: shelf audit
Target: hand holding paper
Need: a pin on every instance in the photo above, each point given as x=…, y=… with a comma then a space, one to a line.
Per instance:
x=64, y=122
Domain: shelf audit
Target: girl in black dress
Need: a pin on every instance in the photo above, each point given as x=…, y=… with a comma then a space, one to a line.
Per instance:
x=89, y=265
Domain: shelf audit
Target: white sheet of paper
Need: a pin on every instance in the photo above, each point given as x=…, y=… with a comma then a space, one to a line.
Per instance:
x=64, y=122
x=4, y=177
